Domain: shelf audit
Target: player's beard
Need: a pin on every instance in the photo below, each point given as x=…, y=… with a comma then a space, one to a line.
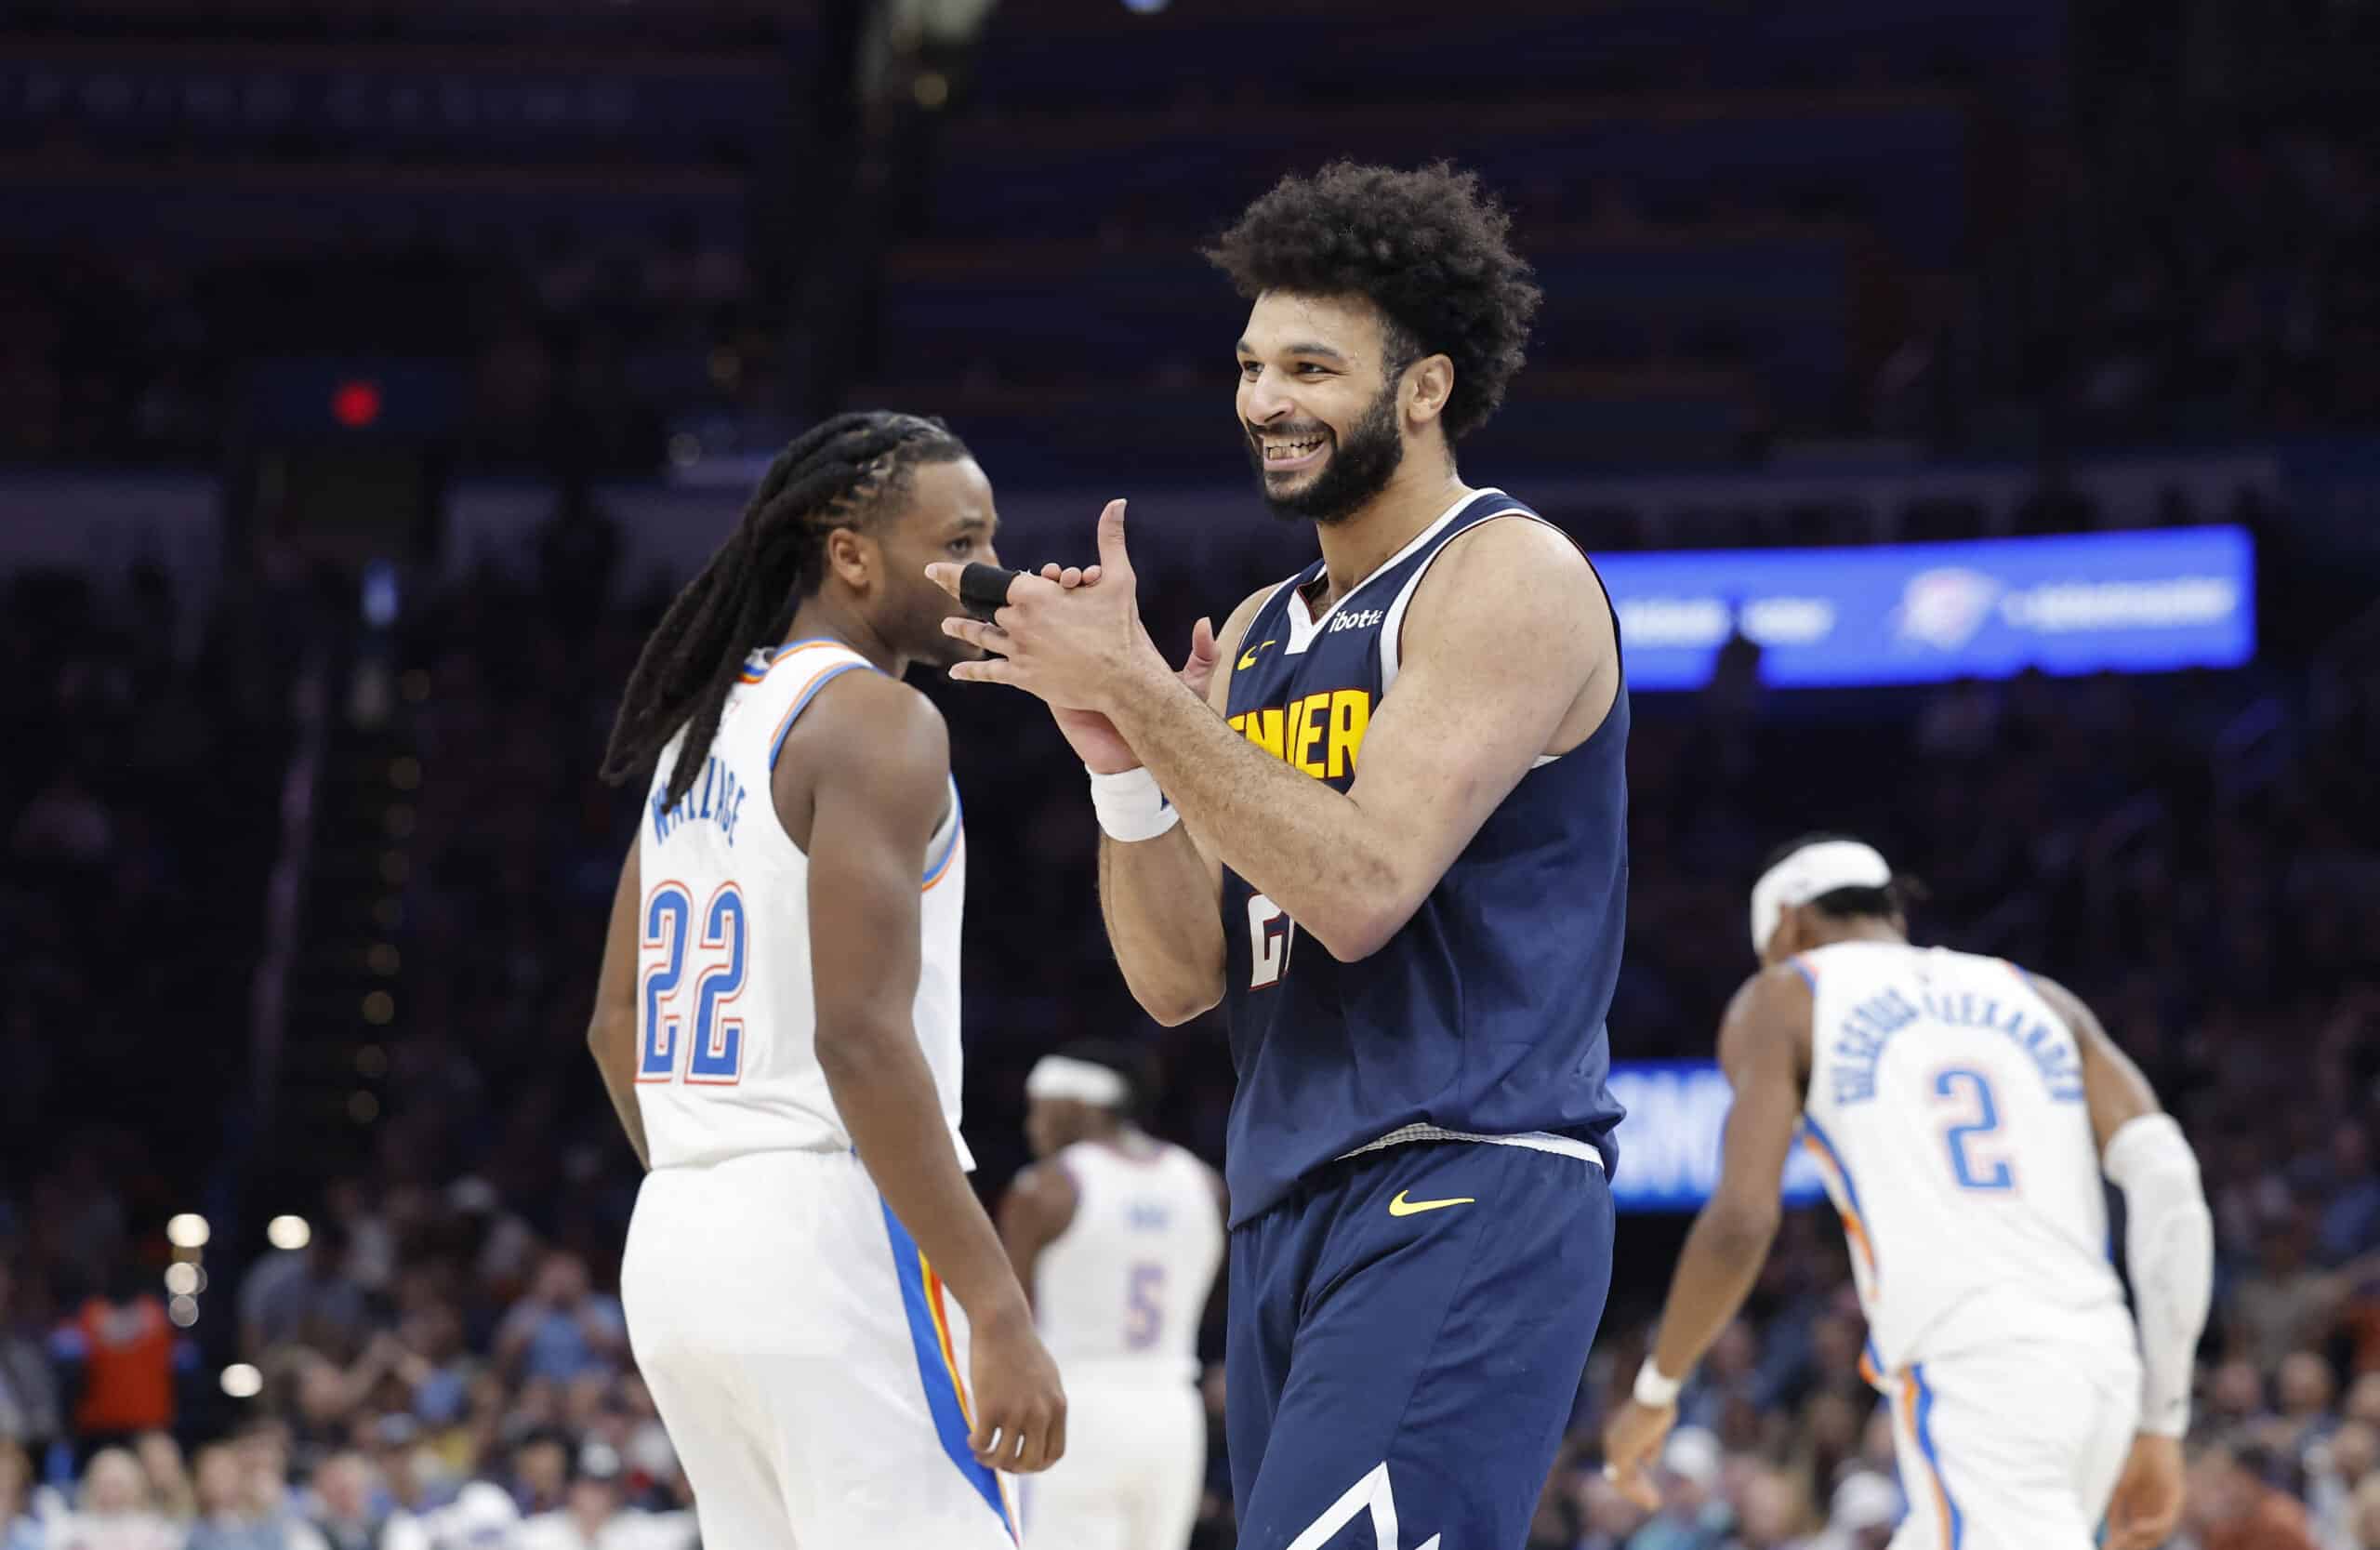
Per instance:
x=1360, y=466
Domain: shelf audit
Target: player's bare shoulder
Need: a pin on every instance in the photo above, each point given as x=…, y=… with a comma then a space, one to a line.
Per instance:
x=1770, y=1019
x=868, y=729
x=1519, y=589
x=1525, y=564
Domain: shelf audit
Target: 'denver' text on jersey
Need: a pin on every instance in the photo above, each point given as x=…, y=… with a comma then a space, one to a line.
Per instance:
x=1484, y=1013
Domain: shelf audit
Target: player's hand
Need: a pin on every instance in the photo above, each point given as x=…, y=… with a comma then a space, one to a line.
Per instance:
x=1068, y=577
x=1076, y=649
x=2148, y=1501
x=1020, y=1409
x=1632, y=1441
x=1093, y=736
x=1198, y=668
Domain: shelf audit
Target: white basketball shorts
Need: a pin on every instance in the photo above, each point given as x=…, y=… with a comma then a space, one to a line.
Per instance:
x=2013, y=1446
x=1134, y=1470
x=807, y=1363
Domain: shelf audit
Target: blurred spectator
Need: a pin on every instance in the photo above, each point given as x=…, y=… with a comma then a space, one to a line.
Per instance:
x=20, y=1526
x=228, y=1518
x=595, y=1515
x=169, y=1483
x=482, y=1518
x=541, y=1473
x=2232, y=1505
x=1726, y=1378
x=29, y=1406
x=303, y=1294
x=2365, y=1521
x=2351, y=1196
x=1866, y=1507
x=343, y=1512
x=115, y=1510
x=1607, y=1519
x=2306, y=1419
x=1774, y=1514
x=1694, y=1514
x=123, y=1346
x=562, y=1330
x=2336, y=1470
x=2235, y=1398
x=2285, y=1301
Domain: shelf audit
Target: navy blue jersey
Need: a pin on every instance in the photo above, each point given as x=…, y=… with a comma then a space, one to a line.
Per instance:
x=1483, y=1015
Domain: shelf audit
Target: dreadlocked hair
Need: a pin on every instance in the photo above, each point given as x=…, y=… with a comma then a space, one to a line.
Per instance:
x=842, y=472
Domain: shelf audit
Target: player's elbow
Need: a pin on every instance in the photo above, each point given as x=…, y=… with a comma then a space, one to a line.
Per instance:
x=1370, y=904
x=607, y=1031
x=1361, y=928
x=1172, y=1009
x=1177, y=986
x=857, y=1042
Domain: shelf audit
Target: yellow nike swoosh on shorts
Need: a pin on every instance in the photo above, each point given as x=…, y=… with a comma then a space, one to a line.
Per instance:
x=1248, y=658
x=1400, y=1206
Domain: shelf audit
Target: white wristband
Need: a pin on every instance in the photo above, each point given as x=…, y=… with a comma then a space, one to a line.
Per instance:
x=1654, y=1391
x=1130, y=806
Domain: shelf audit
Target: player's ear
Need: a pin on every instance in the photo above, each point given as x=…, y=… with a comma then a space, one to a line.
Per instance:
x=1428, y=382
x=855, y=557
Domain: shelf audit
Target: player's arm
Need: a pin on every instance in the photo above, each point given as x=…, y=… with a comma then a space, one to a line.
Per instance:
x=1504, y=637
x=2169, y=1238
x=1763, y=1047
x=1039, y=1206
x=878, y=764
x=612, y=1031
x=2169, y=1248
x=1160, y=898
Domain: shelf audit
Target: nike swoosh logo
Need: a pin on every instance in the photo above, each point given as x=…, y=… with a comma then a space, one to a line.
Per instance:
x=1248, y=658
x=1403, y=1207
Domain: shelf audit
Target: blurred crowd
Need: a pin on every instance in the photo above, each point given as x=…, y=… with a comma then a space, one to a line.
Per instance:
x=443, y=1361
x=560, y=344
x=2239, y=286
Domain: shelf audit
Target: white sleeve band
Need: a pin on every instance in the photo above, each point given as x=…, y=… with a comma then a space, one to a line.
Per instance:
x=2169, y=1246
x=1130, y=806
x=1653, y=1391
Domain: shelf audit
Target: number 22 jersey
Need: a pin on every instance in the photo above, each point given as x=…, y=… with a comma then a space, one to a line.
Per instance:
x=727, y=1058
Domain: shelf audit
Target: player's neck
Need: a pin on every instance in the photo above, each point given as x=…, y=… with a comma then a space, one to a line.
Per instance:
x=1866, y=929
x=1416, y=495
x=1122, y=1137
x=827, y=616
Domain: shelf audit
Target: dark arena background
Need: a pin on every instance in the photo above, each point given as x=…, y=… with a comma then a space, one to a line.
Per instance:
x=1974, y=408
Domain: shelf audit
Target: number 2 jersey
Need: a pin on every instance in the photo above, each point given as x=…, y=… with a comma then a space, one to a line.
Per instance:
x=1946, y=1112
x=726, y=1008
x=1481, y=1018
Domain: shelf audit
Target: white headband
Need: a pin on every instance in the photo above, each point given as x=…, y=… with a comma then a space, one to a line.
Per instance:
x=1809, y=873
x=1057, y=1076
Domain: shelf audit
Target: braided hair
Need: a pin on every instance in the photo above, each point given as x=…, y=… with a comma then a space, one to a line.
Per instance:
x=842, y=472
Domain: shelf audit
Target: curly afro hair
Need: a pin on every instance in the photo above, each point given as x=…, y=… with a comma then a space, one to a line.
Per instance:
x=1427, y=247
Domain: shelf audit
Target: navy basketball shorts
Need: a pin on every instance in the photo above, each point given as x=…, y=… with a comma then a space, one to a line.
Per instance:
x=1407, y=1333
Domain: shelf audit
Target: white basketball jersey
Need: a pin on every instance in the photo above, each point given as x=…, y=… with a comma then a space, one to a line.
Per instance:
x=1946, y=1111
x=726, y=1013
x=1122, y=1290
